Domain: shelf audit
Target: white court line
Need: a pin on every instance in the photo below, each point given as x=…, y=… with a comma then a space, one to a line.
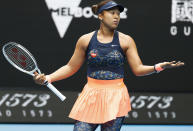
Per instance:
x=69, y=127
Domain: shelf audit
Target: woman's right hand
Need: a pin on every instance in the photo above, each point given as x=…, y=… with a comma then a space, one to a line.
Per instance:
x=39, y=78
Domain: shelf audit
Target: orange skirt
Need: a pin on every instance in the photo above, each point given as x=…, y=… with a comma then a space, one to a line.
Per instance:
x=101, y=101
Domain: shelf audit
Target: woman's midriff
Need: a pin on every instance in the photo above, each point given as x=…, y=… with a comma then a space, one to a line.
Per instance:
x=96, y=83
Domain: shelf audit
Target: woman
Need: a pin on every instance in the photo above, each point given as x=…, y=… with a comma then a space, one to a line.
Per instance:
x=104, y=99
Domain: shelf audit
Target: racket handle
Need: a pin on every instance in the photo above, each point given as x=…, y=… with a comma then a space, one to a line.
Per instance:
x=54, y=90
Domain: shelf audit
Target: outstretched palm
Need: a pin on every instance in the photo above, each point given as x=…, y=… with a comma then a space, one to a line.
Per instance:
x=171, y=64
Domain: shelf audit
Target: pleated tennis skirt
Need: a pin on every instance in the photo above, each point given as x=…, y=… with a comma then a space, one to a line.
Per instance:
x=101, y=101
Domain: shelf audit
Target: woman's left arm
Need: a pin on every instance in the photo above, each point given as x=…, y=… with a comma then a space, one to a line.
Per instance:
x=137, y=66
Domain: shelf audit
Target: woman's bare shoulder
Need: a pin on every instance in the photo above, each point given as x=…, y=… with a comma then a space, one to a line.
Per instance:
x=85, y=39
x=125, y=40
x=125, y=36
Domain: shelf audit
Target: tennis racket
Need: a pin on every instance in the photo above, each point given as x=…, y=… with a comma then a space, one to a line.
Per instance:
x=23, y=60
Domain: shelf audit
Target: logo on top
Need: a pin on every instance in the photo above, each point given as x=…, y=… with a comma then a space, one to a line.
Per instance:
x=113, y=3
x=63, y=11
x=182, y=10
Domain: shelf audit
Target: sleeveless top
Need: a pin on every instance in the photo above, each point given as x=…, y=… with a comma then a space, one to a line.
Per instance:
x=105, y=61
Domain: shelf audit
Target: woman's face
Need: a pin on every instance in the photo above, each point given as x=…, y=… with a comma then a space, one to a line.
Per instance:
x=110, y=18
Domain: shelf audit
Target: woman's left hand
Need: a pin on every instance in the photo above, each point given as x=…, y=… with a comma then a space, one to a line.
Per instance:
x=171, y=64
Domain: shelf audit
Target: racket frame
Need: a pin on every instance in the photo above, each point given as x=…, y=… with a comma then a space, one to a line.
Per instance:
x=12, y=63
x=49, y=85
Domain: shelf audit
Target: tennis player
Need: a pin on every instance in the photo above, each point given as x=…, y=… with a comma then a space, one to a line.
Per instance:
x=104, y=99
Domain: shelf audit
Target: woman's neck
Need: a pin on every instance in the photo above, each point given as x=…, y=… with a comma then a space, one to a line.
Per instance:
x=106, y=32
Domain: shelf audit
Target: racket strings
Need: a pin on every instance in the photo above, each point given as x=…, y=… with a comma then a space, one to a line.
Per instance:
x=21, y=53
x=12, y=57
x=19, y=57
x=22, y=64
x=12, y=54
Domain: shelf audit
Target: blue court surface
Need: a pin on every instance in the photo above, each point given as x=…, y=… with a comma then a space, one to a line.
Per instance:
x=69, y=127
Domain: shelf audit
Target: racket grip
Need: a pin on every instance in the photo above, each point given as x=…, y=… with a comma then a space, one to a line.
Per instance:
x=54, y=90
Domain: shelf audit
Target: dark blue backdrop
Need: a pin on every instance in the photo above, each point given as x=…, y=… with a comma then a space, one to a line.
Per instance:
x=30, y=23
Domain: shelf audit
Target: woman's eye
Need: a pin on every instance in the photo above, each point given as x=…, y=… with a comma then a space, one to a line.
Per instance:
x=114, y=12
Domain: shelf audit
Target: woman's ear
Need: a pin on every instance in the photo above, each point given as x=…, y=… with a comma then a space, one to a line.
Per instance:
x=100, y=17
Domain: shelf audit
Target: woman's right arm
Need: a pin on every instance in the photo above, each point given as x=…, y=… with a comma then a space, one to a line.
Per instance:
x=71, y=67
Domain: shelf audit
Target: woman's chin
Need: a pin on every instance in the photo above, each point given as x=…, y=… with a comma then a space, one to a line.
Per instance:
x=114, y=27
